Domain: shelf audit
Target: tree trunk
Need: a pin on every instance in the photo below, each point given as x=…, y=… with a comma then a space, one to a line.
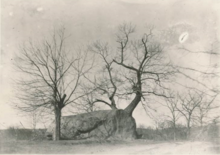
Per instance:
x=174, y=132
x=56, y=133
x=188, y=129
x=201, y=122
x=130, y=108
x=113, y=105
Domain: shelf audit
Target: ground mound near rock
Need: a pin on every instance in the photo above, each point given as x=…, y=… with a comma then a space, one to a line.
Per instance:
x=116, y=124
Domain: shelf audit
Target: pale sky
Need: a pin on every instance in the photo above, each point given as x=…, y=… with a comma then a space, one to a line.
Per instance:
x=196, y=22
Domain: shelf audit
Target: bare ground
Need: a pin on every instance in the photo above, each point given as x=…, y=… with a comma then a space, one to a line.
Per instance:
x=108, y=147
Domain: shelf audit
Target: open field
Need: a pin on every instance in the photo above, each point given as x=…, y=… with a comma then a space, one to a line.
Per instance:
x=108, y=147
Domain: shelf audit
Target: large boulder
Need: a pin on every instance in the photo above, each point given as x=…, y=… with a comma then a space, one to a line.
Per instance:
x=116, y=124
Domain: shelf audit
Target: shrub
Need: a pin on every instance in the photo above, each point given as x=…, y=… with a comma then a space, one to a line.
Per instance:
x=209, y=132
x=14, y=133
x=18, y=134
x=162, y=134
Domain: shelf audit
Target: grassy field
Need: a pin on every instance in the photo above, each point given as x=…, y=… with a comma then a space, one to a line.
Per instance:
x=25, y=141
x=107, y=147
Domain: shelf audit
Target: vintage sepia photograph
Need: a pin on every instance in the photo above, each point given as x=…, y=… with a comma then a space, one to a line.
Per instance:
x=110, y=77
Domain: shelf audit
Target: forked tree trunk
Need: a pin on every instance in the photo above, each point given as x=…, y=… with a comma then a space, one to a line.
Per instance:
x=56, y=134
x=113, y=105
x=130, y=108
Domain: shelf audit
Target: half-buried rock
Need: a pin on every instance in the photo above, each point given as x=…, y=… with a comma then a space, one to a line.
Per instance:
x=116, y=124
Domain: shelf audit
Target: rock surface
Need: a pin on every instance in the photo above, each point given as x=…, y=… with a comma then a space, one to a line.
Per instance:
x=116, y=124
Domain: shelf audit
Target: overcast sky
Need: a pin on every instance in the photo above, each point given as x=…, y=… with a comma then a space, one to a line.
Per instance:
x=90, y=20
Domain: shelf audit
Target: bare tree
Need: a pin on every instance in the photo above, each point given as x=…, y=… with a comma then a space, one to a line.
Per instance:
x=147, y=67
x=138, y=61
x=174, y=115
x=51, y=76
x=204, y=109
x=187, y=106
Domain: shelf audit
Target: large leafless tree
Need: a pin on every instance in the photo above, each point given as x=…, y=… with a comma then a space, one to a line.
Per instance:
x=143, y=67
x=50, y=76
x=141, y=64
